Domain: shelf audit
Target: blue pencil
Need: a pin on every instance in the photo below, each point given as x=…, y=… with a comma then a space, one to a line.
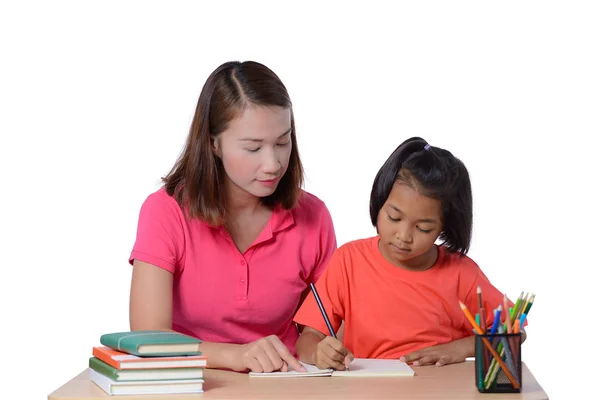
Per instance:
x=522, y=320
x=497, y=313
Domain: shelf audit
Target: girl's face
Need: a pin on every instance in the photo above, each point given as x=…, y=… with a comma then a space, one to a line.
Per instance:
x=408, y=225
x=255, y=150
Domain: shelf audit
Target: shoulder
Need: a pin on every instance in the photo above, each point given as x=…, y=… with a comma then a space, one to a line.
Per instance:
x=160, y=201
x=160, y=206
x=362, y=246
x=309, y=209
x=455, y=260
x=464, y=266
x=308, y=202
x=353, y=252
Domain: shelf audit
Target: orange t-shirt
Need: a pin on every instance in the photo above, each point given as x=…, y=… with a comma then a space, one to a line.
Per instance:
x=389, y=311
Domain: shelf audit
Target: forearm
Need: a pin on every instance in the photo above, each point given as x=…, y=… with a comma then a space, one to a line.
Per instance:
x=221, y=355
x=467, y=345
x=306, y=346
x=218, y=355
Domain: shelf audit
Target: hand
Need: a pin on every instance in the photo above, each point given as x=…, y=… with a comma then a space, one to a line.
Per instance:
x=267, y=354
x=442, y=354
x=331, y=353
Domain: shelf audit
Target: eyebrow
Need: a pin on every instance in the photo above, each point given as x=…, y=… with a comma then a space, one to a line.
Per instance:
x=421, y=220
x=261, y=140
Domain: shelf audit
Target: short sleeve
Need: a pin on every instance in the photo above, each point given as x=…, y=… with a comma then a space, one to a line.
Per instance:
x=160, y=236
x=326, y=245
x=331, y=289
x=491, y=298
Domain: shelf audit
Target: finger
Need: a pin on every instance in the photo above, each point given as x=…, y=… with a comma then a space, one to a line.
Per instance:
x=328, y=362
x=348, y=359
x=425, y=360
x=286, y=356
x=337, y=365
x=320, y=362
x=333, y=354
x=410, y=357
x=335, y=344
x=443, y=361
x=284, y=367
x=265, y=361
x=254, y=365
x=273, y=355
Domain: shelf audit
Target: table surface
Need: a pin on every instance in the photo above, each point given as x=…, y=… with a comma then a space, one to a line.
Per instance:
x=449, y=382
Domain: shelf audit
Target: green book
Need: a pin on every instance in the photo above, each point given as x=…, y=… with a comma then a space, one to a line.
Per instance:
x=144, y=374
x=152, y=343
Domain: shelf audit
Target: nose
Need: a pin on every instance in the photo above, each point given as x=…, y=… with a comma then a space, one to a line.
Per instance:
x=271, y=164
x=404, y=233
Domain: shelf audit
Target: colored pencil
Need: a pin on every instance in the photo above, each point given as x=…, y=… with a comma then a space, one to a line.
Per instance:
x=507, y=321
x=481, y=309
x=509, y=375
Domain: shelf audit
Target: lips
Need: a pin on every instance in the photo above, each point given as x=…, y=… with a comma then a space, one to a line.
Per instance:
x=268, y=182
x=400, y=249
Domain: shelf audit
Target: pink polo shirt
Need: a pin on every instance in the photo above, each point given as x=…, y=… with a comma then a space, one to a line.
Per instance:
x=221, y=295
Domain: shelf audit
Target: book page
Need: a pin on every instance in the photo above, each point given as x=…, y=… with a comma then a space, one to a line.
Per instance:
x=311, y=371
x=376, y=367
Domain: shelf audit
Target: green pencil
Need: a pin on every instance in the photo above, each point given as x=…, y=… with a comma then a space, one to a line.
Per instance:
x=516, y=307
x=529, y=304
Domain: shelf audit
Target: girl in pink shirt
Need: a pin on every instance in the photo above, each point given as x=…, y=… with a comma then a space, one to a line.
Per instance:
x=226, y=249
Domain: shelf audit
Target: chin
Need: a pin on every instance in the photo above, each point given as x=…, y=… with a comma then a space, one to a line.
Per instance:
x=262, y=192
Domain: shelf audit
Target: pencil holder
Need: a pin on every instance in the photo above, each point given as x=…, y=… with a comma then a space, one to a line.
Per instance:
x=498, y=363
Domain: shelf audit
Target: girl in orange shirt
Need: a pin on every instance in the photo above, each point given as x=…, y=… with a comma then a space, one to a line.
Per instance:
x=398, y=293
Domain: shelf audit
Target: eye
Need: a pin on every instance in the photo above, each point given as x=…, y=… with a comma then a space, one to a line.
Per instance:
x=393, y=219
x=424, y=230
x=283, y=144
x=253, y=150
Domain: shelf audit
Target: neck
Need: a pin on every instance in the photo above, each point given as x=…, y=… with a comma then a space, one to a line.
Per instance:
x=422, y=262
x=239, y=201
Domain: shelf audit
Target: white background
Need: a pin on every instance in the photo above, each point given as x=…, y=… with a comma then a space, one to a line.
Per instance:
x=96, y=99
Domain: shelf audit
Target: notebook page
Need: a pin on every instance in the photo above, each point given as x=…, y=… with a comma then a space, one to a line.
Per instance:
x=376, y=367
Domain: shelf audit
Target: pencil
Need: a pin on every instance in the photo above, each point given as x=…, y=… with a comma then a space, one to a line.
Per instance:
x=481, y=309
x=483, y=324
x=323, y=312
x=517, y=306
x=497, y=313
x=509, y=375
x=529, y=304
x=507, y=321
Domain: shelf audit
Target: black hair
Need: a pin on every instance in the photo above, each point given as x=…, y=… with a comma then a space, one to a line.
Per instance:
x=435, y=173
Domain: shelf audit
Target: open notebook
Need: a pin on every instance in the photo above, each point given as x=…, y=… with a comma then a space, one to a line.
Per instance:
x=359, y=367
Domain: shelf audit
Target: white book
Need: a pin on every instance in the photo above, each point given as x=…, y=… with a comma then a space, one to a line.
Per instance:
x=113, y=387
x=360, y=367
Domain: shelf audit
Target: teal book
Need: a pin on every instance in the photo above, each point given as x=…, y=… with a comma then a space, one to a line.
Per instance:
x=152, y=343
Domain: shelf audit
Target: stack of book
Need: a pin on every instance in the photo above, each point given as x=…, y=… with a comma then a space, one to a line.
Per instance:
x=148, y=362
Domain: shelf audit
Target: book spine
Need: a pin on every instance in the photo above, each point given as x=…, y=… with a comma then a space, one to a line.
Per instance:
x=106, y=358
x=125, y=343
x=103, y=368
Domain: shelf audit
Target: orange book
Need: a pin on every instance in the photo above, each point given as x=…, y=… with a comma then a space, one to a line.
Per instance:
x=120, y=360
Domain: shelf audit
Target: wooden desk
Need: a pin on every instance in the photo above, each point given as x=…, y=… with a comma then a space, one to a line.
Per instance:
x=450, y=382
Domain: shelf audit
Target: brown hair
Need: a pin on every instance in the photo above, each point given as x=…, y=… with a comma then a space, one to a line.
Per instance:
x=196, y=179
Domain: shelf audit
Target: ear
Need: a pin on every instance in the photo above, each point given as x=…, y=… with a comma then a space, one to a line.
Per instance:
x=215, y=145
